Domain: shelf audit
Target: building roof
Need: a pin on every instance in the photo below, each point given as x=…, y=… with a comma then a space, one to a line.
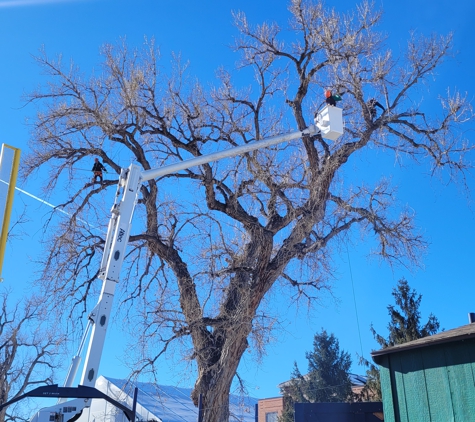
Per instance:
x=358, y=380
x=457, y=334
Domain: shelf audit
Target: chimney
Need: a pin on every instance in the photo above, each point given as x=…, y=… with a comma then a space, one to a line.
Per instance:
x=471, y=317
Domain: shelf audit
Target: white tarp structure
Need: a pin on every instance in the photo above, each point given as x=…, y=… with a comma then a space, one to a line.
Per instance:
x=157, y=403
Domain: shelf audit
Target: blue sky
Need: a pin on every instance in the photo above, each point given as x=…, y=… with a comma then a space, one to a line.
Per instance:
x=202, y=32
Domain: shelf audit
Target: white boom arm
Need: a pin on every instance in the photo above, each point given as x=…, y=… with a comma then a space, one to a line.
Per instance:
x=328, y=123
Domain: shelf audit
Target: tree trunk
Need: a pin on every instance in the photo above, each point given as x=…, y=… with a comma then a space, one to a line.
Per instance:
x=214, y=382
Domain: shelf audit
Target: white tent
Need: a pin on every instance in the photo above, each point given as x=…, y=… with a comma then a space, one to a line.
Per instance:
x=157, y=403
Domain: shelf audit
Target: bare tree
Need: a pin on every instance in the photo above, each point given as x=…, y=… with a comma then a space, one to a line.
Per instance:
x=29, y=351
x=210, y=242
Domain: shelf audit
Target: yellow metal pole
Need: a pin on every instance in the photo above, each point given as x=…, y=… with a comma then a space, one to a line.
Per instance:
x=9, y=203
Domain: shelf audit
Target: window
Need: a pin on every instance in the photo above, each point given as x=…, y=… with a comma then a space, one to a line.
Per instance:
x=271, y=417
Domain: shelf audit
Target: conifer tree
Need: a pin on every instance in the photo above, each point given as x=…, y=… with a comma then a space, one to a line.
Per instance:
x=405, y=318
x=404, y=325
x=327, y=379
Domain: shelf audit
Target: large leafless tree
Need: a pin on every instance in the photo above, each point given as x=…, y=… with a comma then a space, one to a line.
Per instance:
x=209, y=243
x=29, y=351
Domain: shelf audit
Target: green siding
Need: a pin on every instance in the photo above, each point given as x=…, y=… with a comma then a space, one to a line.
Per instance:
x=438, y=386
x=460, y=373
x=417, y=404
x=430, y=384
x=389, y=400
x=398, y=384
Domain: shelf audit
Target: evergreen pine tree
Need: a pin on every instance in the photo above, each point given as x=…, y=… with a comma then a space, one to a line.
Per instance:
x=405, y=322
x=327, y=379
x=404, y=325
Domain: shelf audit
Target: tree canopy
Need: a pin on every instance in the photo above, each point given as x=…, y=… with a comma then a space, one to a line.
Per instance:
x=210, y=242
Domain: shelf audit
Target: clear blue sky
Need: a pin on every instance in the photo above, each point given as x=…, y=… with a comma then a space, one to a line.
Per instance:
x=202, y=32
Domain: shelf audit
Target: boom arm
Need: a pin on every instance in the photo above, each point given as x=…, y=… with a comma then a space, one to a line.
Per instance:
x=328, y=123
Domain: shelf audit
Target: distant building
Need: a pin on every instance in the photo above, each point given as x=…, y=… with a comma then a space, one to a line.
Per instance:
x=430, y=379
x=157, y=403
x=270, y=409
x=357, y=383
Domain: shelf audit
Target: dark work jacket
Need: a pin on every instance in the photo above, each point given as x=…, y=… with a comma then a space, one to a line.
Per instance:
x=98, y=167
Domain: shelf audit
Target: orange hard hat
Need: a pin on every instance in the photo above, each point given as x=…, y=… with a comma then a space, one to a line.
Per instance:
x=328, y=93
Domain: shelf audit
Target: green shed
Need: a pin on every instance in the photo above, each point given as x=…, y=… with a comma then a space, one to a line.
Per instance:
x=430, y=379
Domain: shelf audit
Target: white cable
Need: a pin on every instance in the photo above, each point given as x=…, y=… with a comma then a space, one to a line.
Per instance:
x=52, y=206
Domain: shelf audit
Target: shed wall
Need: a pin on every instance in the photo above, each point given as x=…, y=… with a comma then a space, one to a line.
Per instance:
x=430, y=384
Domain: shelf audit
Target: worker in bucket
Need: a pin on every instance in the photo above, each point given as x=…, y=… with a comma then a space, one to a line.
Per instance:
x=331, y=99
